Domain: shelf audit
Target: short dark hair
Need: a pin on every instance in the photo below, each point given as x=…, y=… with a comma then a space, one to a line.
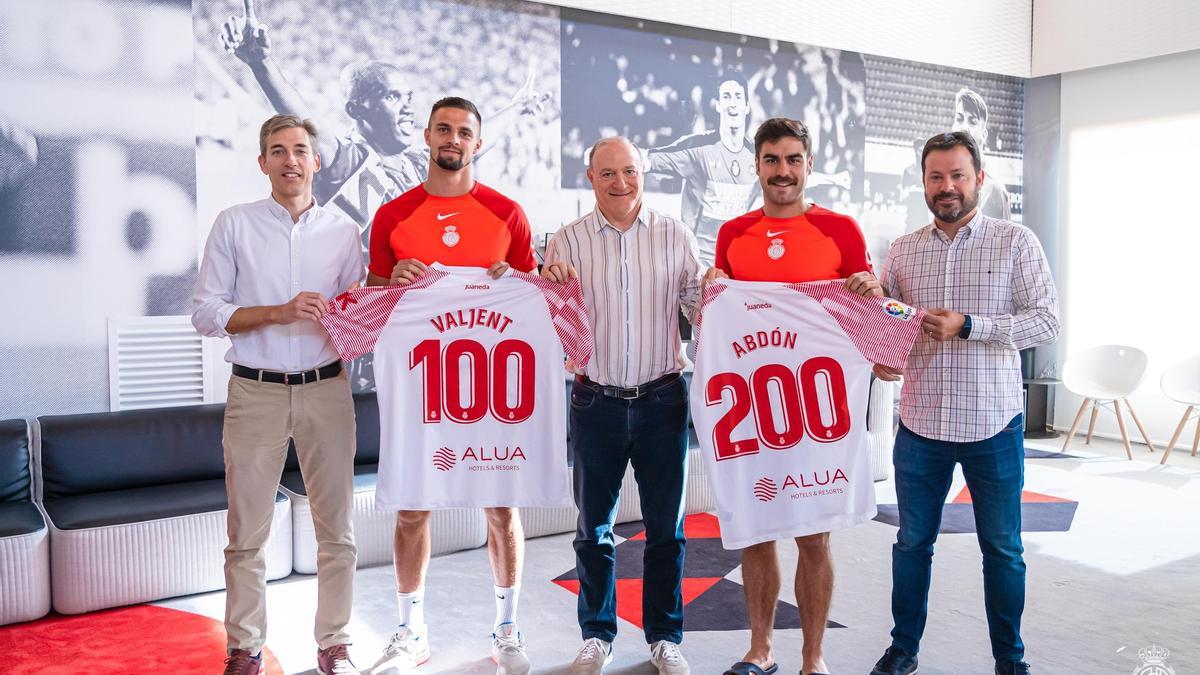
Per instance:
x=456, y=102
x=948, y=141
x=973, y=103
x=366, y=78
x=781, y=127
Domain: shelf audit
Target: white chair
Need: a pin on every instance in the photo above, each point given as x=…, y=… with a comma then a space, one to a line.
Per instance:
x=1106, y=376
x=1181, y=383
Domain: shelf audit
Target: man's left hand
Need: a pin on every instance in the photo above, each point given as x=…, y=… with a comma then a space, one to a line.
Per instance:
x=560, y=272
x=498, y=269
x=942, y=324
x=864, y=284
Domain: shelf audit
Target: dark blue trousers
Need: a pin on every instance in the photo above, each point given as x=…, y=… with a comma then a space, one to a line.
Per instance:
x=995, y=472
x=649, y=433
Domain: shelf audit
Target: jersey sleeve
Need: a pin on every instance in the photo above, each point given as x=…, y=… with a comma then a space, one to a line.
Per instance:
x=355, y=318
x=520, y=250
x=725, y=236
x=382, y=257
x=568, y=314
x=883, y=330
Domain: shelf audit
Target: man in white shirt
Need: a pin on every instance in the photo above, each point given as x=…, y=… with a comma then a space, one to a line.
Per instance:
x=287, y=384
x=638, y=268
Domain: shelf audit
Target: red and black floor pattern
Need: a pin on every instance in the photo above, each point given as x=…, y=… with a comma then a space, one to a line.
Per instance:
x=1039, y=513
x=712, y=602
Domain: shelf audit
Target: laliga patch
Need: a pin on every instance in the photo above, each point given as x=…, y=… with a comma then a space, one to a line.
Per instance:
x=899, y=310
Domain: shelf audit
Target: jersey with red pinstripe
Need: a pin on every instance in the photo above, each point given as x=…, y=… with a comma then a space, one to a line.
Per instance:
x=476, y=229
x=818, y=245
x=779, y=400
x=469, y=377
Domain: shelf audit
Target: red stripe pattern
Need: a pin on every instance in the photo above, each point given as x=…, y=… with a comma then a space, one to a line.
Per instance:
x=567, y=313
x=355, y=318
x=883, y=330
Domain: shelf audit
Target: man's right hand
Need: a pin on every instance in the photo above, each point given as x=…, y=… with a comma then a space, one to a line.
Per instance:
x=306, y=305
x=407, y=271
x=886, y=373
x=245, y=37
x=713, y=274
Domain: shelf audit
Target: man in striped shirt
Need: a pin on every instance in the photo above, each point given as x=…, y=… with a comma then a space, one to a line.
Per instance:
x=638, y=268
x=987, y=293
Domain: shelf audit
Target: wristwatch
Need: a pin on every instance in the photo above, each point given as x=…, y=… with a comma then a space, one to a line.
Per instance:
x=965, y=331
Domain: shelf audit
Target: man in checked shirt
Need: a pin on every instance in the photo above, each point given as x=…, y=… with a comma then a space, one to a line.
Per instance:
x=987, y=292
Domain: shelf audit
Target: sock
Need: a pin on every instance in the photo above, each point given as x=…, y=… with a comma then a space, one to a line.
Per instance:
x=506, y=604
x=412, y=609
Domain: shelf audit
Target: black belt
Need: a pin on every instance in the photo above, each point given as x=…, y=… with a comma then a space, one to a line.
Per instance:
x=627, y=393
x=314, y=375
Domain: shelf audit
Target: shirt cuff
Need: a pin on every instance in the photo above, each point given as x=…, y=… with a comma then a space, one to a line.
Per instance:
x=982, y=328
x=224, y=314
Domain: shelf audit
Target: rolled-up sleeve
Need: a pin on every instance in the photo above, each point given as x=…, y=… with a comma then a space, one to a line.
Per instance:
x=212, y=303
x=1034, y=320
x=690, y=277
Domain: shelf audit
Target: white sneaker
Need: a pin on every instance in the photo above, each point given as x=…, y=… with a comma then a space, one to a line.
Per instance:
x=508, y=651
x=592, y=657
x=665, y=656
x=406, y=650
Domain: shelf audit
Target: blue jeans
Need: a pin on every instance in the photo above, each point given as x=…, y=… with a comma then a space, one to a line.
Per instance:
x=651, y=434
x=995, y=472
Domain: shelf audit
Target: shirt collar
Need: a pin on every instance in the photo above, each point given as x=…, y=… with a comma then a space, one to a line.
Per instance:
x=976, y=223
x=278, y=210
x=643, y=218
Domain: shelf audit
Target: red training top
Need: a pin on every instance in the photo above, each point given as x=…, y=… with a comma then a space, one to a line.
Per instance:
x=818, y=245
x=471, y=230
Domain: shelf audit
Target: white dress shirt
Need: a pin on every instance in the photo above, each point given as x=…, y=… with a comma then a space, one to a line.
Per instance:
x=634, y=284
x=996, y=272
x=257, y=256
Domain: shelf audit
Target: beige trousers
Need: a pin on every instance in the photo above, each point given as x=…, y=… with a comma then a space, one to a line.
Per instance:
x=260, y=417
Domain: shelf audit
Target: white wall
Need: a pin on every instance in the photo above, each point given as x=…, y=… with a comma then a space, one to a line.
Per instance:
x=1130, y=232
x=988, y=35
x=1074, y=34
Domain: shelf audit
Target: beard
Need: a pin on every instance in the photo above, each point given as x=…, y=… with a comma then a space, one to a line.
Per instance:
x=955, y=212
x=449, y=162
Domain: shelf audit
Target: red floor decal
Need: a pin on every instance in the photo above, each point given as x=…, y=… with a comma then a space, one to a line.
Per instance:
x=143, y=638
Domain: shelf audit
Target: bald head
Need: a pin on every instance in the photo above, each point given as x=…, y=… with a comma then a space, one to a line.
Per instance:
x=611, y=141
x=615, y=170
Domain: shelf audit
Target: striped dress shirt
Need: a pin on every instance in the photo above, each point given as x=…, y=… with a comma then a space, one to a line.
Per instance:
x=996, y=272
x=634, y=284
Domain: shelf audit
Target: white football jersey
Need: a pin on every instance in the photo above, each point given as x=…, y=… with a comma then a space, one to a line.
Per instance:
x=779, y=402
x=470, y=380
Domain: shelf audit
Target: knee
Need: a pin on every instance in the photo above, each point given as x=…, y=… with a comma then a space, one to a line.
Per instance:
x=1004, y=547
x=411, y=522
x=502, y=519
x=813, y=548
x=759, y=555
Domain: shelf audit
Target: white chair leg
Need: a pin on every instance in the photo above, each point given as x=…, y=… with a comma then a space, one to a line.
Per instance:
x=1124, y=433
x=1138, y=422
x=1075, y=425
x=1092, y=424
x=1178, y=430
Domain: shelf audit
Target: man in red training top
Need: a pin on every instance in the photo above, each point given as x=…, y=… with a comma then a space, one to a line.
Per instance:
x=453, y=220
x=789, y=240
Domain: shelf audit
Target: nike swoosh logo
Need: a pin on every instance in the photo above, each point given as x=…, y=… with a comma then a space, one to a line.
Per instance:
x=775, y=234
x=443, y=216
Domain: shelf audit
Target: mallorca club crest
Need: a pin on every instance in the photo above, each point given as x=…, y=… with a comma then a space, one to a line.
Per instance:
x=776, y=250
x=1154, y=661
x=450, y=236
